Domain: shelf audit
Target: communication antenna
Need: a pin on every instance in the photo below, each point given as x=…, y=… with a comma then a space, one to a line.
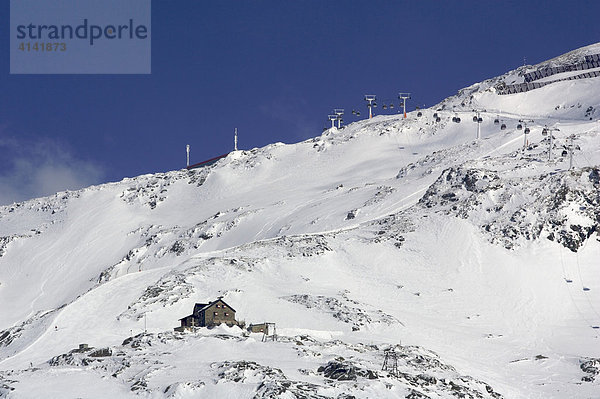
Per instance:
x=187, y=150
x=339, y=112
x=404, y=97
x=235, y=140
x=371, y=99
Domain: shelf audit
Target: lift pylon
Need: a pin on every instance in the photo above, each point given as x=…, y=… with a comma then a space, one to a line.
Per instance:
x=404, y=97
x=370, y=98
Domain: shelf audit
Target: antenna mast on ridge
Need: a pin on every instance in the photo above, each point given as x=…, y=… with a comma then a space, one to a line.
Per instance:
x=235, y=140
x=187, y=150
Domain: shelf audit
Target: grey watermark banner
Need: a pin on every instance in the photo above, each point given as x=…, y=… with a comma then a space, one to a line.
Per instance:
x=80, y=36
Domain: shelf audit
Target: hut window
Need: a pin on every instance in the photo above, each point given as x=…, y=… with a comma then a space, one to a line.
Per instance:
x=226, y=314
x=216, y=313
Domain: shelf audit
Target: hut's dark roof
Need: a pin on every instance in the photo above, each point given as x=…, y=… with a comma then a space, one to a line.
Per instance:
x=199, y=306
x=204, y=306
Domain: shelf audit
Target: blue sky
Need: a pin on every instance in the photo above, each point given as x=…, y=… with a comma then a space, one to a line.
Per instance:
x=273, y=69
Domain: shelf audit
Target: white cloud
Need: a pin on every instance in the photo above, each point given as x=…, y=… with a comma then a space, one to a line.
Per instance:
x=34, y=169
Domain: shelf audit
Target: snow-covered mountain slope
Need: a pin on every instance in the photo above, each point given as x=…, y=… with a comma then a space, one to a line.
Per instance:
x=474, y=260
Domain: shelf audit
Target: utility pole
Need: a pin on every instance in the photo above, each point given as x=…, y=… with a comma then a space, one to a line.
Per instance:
x=404, y=97
x=235, y=140
x=187, y=150
x=145, y=324
x=339, y=112
x=371, y=99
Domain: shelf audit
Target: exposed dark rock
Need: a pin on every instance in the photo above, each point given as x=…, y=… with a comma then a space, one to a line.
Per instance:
x=103, y=352
x=338, y=371
x=592, y=368
x=546, y=207
x=178, y=247
x=236, y=371
x=341, y=370
x=344, y=309
x=416, y=395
